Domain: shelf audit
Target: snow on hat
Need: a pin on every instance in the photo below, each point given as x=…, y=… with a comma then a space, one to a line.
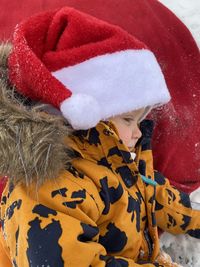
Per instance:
x=89, y=69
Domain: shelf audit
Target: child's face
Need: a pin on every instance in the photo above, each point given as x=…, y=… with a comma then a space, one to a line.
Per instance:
x=127, y=125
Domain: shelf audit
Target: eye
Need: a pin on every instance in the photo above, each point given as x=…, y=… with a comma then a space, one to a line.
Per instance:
x=128, y=119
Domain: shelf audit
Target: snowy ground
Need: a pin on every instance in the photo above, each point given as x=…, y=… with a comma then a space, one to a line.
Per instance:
x=184, y=249
x=189, y=12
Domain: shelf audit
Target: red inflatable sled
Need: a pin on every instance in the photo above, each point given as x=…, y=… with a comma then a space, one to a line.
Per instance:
x=176, y=142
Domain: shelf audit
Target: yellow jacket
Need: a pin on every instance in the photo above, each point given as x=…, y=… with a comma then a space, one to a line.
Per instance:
x=103, y=210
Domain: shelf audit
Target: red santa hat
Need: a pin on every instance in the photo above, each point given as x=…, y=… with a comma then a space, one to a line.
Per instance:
x=89, y=69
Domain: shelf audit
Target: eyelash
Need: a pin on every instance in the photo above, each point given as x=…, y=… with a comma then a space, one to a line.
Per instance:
x=131, y=120
x=128, y=119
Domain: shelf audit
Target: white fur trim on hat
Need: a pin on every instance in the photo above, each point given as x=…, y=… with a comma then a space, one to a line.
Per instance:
x=82, y=111
x=118, y=83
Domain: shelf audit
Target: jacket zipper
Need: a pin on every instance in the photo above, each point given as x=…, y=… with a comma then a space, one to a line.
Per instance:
x=145, y=232
x=148, y=242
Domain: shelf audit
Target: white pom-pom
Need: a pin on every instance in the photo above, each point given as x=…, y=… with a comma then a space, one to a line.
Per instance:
x=81, y=111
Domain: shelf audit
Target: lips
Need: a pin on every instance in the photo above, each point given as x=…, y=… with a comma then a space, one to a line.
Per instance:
x=132, y=144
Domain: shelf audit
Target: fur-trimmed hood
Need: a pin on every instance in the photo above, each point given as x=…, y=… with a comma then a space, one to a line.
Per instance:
x=32, y=143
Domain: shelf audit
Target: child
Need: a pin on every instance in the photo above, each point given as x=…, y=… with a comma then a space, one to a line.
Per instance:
x=79, y=197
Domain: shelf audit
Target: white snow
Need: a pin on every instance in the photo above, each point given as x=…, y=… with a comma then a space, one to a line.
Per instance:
x=184, y=249
x=189, y=12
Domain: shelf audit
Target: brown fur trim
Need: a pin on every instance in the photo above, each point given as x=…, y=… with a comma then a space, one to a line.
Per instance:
x=32, y=143
x=5, y=49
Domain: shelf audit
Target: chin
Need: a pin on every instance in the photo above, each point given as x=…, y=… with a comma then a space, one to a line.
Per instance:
x=131, y=149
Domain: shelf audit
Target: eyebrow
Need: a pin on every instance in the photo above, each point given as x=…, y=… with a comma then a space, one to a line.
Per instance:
x=133, y=117
x=143, y=115
x=129, y=116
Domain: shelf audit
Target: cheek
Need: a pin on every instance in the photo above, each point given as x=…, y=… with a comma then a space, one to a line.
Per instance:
x=125, y=134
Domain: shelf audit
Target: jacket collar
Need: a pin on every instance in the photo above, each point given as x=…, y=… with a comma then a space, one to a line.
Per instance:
x=103, y=146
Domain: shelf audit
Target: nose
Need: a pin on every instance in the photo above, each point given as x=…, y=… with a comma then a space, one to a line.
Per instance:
x=136, y=134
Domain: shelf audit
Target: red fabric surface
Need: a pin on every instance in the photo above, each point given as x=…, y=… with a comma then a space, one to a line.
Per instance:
x=176, y=140
x=2, y=185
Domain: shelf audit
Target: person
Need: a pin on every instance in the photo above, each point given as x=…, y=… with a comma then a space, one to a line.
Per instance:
x=82, y=189
x=179, y=55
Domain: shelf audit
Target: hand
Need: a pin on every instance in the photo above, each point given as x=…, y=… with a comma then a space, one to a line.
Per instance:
x=166, y=260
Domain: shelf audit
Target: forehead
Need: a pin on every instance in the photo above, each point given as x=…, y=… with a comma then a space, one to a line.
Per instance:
x=135, y=113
